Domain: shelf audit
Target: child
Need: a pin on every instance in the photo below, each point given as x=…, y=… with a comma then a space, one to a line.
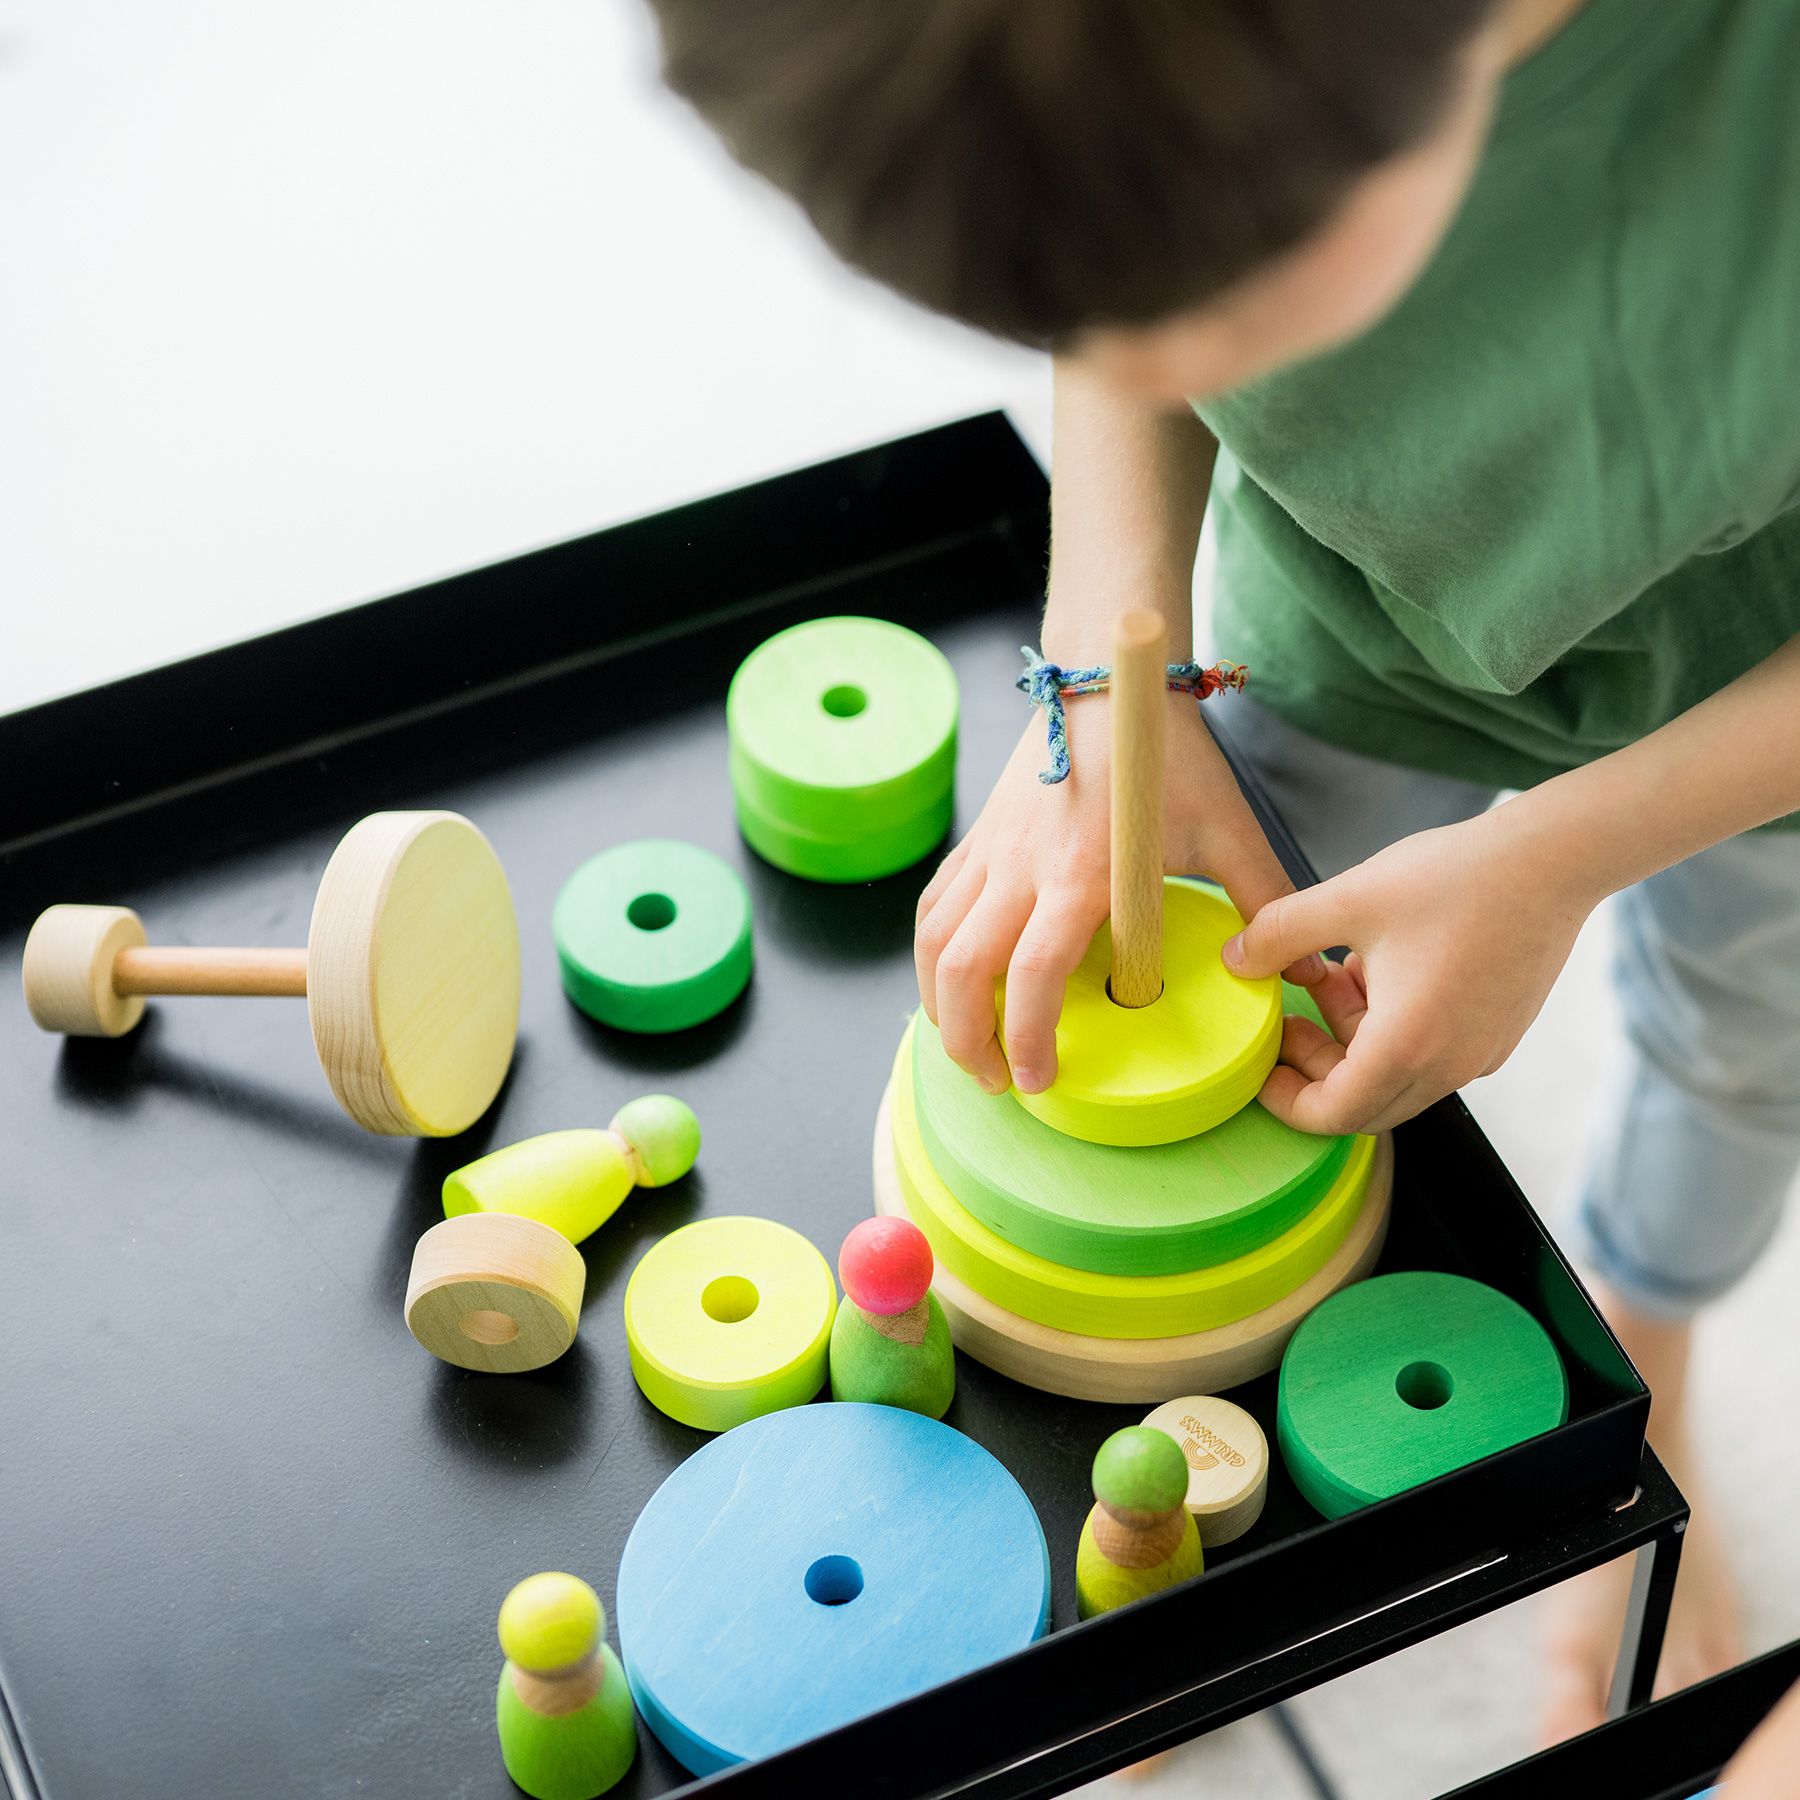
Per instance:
x=1489, y=311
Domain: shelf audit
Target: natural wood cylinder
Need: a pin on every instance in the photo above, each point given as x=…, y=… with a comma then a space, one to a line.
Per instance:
x=1139, y=681
x=175, y=969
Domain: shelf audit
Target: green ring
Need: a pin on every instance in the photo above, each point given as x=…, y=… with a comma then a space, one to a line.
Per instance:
x=653, y=936
x=1405, y=1377
x=867, y=857
x=843, y=748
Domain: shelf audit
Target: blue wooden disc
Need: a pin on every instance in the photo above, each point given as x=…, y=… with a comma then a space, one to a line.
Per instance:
x=818, y=1564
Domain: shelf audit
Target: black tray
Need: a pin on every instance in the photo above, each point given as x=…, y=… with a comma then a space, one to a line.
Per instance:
x=1670, y=1751
x=256, y=1537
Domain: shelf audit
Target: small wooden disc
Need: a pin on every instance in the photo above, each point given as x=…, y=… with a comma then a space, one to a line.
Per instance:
x=68, y=970
x=728, y=1319
x=412, y=973
x=495, y=1292
x=817, y=1565
x=1117, y=1306
x=1407, y=1377
x=1138, y=1370
x=653, y=936
x=1177, y=1067
x=843, y=748
x=1228, y=1463
x=1152, y=1211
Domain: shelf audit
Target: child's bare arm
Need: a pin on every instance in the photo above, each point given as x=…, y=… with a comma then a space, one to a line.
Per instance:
x=1458, y=933
x=1025, y=890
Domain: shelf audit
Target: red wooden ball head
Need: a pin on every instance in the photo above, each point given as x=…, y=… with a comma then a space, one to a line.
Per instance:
x=885, y=1266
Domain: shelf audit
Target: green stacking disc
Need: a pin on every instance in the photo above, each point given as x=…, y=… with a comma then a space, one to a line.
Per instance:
x=653, y=936
x=1405, y=1377
x=1155, y=1210
x=865, y=857
x=843, y=732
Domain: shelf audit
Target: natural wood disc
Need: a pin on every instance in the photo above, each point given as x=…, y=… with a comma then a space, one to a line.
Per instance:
x=412, y=973
x=495, y=1292
x=1137, y=1371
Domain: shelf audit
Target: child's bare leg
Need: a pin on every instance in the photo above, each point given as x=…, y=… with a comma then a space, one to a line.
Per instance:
x=1588, y=1614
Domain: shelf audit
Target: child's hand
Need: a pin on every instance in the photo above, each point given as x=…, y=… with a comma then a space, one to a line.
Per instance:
x=1456, y=936
x=1025, y=891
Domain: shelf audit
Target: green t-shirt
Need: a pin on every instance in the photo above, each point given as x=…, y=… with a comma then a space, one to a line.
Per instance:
x=1553, y=499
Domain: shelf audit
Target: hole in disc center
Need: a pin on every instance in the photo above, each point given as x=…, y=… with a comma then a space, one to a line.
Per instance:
x=1424, y=1385
x=651, y=912
x=729, y=1298
x=488, y=1327
x=834, y=1580
x=843, y=702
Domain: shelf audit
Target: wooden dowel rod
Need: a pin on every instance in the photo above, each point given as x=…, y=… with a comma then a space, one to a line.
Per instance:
x=1139, y=681
x=173, y=970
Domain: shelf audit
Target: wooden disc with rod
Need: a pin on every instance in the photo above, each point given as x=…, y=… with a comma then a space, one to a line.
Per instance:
x=410, y=973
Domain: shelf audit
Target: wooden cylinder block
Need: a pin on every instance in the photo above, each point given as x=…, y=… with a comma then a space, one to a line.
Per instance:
x=1228, y=1463
x=68, y=970
x=495, y=1292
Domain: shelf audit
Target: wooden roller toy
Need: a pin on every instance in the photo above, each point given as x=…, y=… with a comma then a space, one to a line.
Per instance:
x=1158, y=1040
x=410, y=973
x=1140, y=1537
x=890, y=1341
x=567, y=1727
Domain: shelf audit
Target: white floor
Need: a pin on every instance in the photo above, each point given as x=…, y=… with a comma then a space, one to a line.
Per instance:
x=310, y=300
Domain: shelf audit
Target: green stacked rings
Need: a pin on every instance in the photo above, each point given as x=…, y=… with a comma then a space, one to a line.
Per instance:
x=1405, y=1377
x=653, y=936
x=843, y=748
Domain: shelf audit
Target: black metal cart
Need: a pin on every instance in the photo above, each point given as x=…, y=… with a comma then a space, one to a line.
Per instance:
x=256, y=1537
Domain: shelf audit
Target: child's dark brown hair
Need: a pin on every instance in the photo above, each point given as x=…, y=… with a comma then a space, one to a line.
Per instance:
x=1038, y=167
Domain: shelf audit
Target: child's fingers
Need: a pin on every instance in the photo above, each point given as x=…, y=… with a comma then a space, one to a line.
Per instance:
x=1284, y=930
x=1342, y=998
x=947, y=871
x=1246, y=866
x=938, y=925
x=1050, y=946
x=966, y=974
x=1357, y=1089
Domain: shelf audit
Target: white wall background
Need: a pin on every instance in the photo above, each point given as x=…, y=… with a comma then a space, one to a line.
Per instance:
x=303, y=301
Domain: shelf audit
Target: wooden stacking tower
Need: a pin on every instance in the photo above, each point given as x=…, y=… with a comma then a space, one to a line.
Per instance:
x=1143, y=1228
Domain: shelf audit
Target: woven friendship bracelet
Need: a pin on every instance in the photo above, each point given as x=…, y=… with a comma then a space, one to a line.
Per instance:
x=1048, y=685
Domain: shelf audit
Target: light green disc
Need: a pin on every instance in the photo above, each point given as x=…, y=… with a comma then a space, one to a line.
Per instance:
x=1154, y=1210
x=1405, y=1377
x=843, y=729
x=868, y=856
x=653, y=936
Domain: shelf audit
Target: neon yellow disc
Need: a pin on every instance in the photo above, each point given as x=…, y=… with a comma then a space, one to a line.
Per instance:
x=727, y=1319
x=1116, y=1306
x=1175, y=1068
